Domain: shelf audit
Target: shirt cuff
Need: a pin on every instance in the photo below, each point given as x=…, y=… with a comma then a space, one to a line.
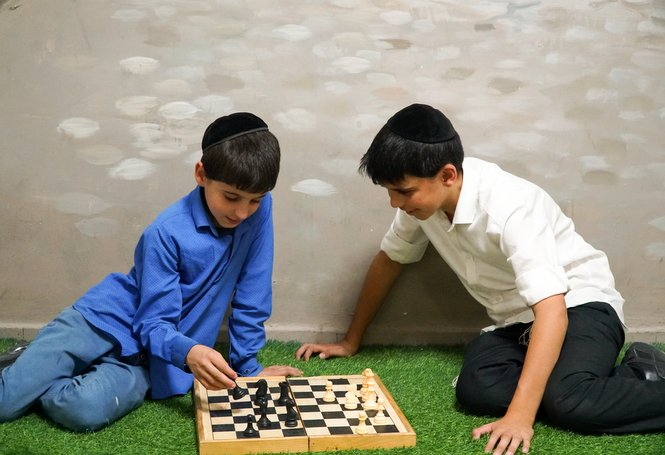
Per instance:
x=250, y=367
x=181, y=347
x=536, y=285
x=400, y=250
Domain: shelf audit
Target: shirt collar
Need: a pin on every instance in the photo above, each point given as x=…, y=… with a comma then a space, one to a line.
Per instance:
x=203, y=219
x=467, y=205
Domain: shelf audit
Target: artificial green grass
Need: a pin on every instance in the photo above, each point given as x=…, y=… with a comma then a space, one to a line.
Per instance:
x=419, y=379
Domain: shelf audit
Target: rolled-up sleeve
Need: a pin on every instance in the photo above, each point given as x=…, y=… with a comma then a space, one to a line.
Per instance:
x=405, y=242
x=529, y=243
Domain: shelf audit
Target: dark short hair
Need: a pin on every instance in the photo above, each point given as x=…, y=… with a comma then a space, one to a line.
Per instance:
x=390, y=157
x=250, y=162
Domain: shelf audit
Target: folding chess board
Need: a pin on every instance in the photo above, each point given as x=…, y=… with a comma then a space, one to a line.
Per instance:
x=221, y=420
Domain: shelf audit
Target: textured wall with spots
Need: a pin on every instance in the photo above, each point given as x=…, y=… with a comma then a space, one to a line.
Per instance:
x=103, y=104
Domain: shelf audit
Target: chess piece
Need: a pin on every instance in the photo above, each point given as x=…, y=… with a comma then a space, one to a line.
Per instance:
x=370, y=401
x=362, y=423
x=238, y=392
x=250, y=431
x=291, y=414
x=261, y=391
x=264, y=422
x=329, y=396
x=380, y=418
x=283, y=393
x=351, y=399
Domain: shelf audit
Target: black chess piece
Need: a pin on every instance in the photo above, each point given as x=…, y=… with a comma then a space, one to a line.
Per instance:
x=291, y=413
x=239, y=392
x=261, y=392
x=250, y=431
x=283, y=393
x=264, y=422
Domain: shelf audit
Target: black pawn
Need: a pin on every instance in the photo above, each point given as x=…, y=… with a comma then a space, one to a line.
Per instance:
x=261, y=392
x=291, y=414
x=250, y=431
x=264, y=422
x=283, y=393
x=238, y=392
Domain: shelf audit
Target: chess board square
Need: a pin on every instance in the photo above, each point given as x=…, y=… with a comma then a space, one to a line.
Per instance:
x=308, y=408
x=329, y=415
x=218, y=399
x=314, y=423
x=223, y=427
x=386, y=429
x=303, y=394
x=339, y=381
x=340, y=430
x=220, y=413
x=331, y=423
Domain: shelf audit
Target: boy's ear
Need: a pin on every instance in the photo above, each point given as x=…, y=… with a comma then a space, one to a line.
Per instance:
x=448, y=174
x=199, y=173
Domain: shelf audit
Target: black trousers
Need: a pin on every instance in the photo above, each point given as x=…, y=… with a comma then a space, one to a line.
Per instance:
x=586, y=392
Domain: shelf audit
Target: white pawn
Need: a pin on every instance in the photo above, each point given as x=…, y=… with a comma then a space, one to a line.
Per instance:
x=370, y=402
x=362, y=424
x=380, y=418
x=351, y=401
x=329, y=396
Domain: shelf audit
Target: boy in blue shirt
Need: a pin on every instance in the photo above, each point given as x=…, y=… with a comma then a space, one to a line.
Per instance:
x=154, y=328
x=558, y=319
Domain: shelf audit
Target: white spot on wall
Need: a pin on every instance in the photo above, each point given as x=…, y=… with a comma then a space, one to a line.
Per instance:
x=238, y=63
x=162, y=151
x=656, y=251
x=292, y=32
x=593, y=162
x=97, y=227
x=314, y=187
x=165, y=12
x=381, y=79
x=576, y=34
x=100, y=154
x=178, y=110
x=78, y=127
x=509, y=64
x=396, y=17
x=214, y=104
x=631, y=116
x=423, y=25
x=132, y=169
x=136, y=106
x=350, y=4
x=139, y=65
x=601, y=95
x=351, y=65
x=447, y=52
x=297, y=119
x=658, y=223
x=80, y=204
x=339, y=88
x=146, y=134
x=129, y=15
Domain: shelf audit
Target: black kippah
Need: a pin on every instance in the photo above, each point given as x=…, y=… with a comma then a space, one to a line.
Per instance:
x=422, y=123
x=231, y=126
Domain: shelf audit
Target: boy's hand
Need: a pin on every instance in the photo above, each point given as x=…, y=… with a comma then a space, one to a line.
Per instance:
x=280, y=370
x=326, y=350
x=506, y=436
x=210, y=368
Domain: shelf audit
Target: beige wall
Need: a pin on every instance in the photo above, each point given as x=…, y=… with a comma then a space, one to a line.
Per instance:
x=103, y=104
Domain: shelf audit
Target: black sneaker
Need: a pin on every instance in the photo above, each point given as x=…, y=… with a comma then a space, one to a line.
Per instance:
x=648, y=361
x=9, y=356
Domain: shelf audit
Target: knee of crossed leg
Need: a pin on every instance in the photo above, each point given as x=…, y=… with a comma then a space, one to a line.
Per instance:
x=76, y=414
x=479, y=398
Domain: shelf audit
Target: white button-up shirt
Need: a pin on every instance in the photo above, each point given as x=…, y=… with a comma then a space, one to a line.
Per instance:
x=510, y=245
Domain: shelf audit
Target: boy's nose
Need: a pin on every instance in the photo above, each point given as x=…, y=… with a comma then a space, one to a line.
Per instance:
x=395, y=201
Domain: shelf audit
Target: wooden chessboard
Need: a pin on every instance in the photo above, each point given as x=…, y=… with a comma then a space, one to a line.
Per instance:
x=321, y=426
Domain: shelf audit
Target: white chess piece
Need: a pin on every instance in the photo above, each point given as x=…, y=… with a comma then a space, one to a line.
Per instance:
x=380, y=418
x=329, y=396
x=351, y=401
x=370, y=402
x=362, y=423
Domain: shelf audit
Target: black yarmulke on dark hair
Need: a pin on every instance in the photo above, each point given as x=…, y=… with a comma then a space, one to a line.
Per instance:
x=231, y=126
x=422, y=123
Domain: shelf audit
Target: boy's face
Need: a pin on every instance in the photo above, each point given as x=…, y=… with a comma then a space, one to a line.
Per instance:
x=228, y=205
x=421, y=197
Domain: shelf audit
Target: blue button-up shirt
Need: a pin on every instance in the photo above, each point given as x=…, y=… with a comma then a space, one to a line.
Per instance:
x=186, y=272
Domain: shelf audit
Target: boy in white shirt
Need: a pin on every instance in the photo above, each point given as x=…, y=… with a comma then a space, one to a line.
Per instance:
x=558, y=321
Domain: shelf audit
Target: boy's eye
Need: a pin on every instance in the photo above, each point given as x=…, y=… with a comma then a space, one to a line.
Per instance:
x=231, y=197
